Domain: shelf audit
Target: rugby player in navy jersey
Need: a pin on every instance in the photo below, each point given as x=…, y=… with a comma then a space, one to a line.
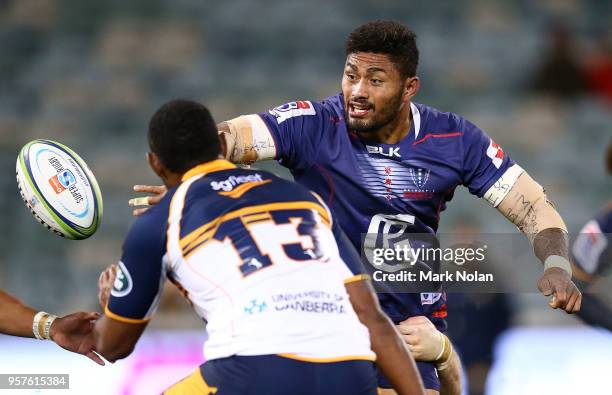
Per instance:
x=592, y=259
x=384, y=163
x=71, y=332
x=261, y=259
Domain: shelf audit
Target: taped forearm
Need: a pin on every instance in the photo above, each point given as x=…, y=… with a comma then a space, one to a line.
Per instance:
x=527, y=206
x=247, y=139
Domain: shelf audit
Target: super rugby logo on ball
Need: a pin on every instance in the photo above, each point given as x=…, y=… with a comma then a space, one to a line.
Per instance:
x=60, y=190
x=62, y=181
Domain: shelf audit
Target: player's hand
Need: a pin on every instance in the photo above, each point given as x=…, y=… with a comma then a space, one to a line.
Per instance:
x=158, y=191
x=105, y=284
x=74, y=333
x=558, y=283
x=423, y=339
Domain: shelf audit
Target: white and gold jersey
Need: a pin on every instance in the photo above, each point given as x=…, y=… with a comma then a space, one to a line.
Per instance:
x=256, y=256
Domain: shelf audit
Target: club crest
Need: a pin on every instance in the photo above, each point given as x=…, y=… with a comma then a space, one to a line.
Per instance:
x=419, y=176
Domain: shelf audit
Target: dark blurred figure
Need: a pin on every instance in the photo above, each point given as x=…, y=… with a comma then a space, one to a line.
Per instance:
x=560, y=73
x=592, y=264
x=475, y=322
x=476, y=319
x=598, y=68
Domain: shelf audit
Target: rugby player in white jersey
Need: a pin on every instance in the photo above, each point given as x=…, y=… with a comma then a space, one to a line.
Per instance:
x=263, y=262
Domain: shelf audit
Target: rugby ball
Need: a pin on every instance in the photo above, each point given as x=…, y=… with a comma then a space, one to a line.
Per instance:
x=59, y=189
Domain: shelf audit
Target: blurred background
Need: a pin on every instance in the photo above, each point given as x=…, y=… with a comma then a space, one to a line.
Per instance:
x=537, y=76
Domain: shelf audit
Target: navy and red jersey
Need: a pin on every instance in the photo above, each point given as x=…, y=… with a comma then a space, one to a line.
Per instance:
x=376, y=188
x=592, y=250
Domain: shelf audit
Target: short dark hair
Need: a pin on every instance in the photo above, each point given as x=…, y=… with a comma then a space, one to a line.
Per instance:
x=389, y=38
x=183, y=134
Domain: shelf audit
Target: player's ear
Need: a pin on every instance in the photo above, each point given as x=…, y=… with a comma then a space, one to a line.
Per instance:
x=411, y=87
x=156, y=165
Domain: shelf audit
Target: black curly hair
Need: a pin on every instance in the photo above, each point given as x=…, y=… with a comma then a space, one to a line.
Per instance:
x=183, y=134
x=388, y=38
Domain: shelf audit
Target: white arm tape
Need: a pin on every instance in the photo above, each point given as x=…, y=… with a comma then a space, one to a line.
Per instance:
x=36, y=325
x=249, y=140
x=502, y=186
x=262, y=138
x=558, y=261
x=43, y=321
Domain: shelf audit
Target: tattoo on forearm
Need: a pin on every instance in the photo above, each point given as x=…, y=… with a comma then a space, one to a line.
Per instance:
x=523, y=214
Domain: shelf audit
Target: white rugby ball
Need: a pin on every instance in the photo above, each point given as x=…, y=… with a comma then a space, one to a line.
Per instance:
x=59, y=189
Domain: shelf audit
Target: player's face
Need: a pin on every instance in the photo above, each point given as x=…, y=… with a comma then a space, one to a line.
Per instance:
x=373, y=91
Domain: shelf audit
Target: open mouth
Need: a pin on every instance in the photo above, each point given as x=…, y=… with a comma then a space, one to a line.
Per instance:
x=358, y=110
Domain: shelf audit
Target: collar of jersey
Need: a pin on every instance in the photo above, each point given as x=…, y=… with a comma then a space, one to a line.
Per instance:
x=208, y=167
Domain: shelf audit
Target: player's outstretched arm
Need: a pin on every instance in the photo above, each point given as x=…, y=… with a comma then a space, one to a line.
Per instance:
x=72, y=332
x=246, y=139
x=15, y=317
x=527, y=206
x=428, y=344
x=393, y=357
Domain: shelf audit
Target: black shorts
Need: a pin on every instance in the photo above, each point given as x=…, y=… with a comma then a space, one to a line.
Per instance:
x=275, y=375
x=428, y=372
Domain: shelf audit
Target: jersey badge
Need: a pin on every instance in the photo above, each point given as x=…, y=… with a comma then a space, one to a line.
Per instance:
x=292, y=109
x=496, y=153
x=123, y=282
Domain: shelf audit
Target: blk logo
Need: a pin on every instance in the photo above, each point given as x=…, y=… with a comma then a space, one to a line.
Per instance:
x=392, y=151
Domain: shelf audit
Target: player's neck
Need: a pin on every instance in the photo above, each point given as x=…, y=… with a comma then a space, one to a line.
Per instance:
x=394, y=131
x=172, y=179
